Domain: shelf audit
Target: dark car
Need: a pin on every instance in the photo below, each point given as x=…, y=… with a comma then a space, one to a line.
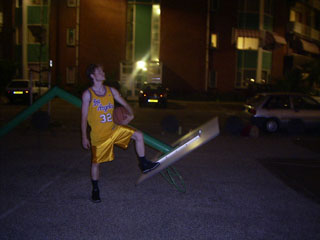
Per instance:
x=315, y=93
x=153, y=94
x=19, y=89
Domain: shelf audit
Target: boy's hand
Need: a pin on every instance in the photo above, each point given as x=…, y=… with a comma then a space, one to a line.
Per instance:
x=85, y=143
x=128, y=119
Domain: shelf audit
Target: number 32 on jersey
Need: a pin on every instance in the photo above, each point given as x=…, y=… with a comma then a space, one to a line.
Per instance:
x=106, y=118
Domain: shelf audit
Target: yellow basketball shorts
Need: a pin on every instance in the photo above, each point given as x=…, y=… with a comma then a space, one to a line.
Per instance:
x=120, y=136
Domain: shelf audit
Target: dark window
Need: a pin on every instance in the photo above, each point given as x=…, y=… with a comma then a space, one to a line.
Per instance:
x=278, y=102
x=317, y=20
x=268, y=7
x=212, y=79
x=214, y=4
x=305, y=102
x=238, y=80
x=308, y=18
x=241, y=4
x=299, y=17
x=249, y=5
x=41, y=84
x=253, y=6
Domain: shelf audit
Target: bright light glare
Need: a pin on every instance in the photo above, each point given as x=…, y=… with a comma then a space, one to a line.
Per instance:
x=156, y=9
x=142, y=65
x=181, y=147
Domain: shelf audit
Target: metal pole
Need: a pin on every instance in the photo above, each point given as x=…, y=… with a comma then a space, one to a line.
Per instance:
x=77, y=38
x=30, y=87
x=24, y=39
x=49, y=87
x=207, y=68
x=260, y=50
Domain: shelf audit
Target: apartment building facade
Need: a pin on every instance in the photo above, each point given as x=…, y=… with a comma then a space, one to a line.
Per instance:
x=204, y=46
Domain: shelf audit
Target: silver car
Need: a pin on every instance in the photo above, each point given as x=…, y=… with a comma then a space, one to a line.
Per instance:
x=272, y=111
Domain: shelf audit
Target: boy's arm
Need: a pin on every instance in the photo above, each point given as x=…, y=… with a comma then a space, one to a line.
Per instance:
x=123, y=102
x=84, y=119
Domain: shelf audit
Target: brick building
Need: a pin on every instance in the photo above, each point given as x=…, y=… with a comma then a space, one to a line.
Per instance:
x=206, y=46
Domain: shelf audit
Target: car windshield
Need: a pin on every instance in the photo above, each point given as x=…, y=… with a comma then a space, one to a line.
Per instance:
x=256, y=100
x=315, y=92
x=153, y=87
x=18, y=84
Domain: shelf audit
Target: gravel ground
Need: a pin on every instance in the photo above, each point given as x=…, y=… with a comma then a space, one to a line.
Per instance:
x=235, y=187
x=45, y=190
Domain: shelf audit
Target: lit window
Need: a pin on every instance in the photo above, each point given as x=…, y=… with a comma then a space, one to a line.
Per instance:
x=295, y=15
x=214, y=40
x=247, y=43
x=71, y=75
x=1, y=21
x=18, y=39
x=155, y=32
x=292, y=16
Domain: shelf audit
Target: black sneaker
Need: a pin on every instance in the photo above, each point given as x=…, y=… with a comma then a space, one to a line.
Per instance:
x=95, y=196
x=147, y=166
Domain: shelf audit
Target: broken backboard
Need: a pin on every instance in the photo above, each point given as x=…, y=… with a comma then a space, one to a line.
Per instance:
x=185, y=145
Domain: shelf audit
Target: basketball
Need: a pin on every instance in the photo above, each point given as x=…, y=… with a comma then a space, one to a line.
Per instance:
x=120, y=115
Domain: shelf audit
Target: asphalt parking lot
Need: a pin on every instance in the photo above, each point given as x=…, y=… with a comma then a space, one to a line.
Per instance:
x=238, y=187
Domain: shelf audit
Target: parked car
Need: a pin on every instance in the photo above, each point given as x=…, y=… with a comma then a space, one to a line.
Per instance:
x=315, y=93
x=153, y=94
x=20, y=89
x=272, y=111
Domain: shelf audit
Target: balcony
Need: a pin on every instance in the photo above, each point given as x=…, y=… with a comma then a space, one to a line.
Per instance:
x=315, y=34
x=304, y=30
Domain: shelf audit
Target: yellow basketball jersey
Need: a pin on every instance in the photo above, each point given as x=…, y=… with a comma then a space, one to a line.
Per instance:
x=100, y=116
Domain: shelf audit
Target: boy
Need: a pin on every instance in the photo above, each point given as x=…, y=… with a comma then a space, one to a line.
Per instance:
x=97, y=111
